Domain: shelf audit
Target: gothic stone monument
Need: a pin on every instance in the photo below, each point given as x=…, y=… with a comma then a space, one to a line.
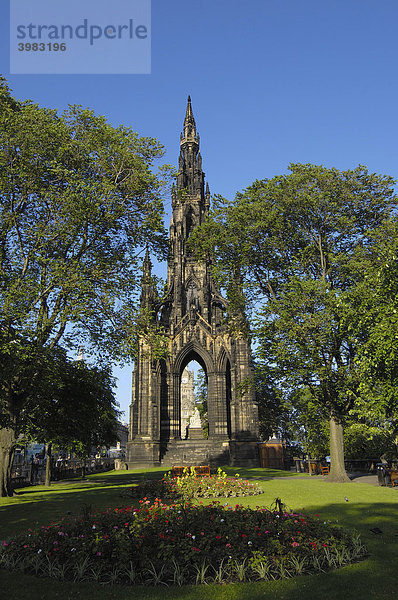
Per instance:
x=192, y=317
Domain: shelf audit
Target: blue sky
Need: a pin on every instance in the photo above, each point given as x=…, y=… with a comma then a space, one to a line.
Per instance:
x=271, y=81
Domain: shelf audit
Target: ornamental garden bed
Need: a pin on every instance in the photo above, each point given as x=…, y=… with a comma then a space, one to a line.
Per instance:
x=177, y=544
x=190, y=485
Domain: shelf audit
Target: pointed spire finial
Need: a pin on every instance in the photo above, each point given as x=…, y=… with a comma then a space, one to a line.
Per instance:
x=189, y=123
x=189, y=119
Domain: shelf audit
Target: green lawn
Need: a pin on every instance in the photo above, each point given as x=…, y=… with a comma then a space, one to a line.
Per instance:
x=367, y=507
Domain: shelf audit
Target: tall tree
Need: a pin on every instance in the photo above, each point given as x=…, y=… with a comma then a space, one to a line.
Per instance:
x=78, y=201
x=303, y=242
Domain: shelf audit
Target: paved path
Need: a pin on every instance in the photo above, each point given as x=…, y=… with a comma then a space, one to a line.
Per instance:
x=364, y=478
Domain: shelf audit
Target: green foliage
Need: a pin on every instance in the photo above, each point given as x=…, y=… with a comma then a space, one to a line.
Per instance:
x=365, y=441
x=159, y=544
x=309, y=424
x=78, y=198
x=301, y=245
x=274, y=409
x=65, y=402
x=79, y=412
x=376, y=327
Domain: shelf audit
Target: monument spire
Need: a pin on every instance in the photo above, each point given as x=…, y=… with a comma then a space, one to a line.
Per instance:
x=190, y=177
x=189, y=133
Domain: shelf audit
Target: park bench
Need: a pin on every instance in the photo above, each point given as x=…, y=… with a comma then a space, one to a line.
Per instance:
x=394, y=477
x=316, y=468
x=199, y=470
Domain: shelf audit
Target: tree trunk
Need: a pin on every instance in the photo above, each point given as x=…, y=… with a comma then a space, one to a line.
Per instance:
x=48, y=464
x=7, y=449
x=337, y=469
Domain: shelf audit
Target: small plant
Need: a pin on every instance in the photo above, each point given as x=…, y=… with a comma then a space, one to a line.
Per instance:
x=219, y=573
x=262, y=569
x=131, y=573
x=240, y=569
x=80, y=568
x=298, y=564
x=178, y=573
x=154, y=576
x=96, y=573
x=201, y=572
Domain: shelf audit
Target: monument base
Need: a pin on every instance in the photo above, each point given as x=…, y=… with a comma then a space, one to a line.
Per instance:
x=142, y=454
x=193, y=451
x=195, y=433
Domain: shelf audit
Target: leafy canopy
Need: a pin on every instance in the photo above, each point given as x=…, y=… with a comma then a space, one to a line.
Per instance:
x=78, y=201
x=302, y=243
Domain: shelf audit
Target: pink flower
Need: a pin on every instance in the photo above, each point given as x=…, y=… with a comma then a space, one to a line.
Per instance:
x=295, y=544
x=98, y=553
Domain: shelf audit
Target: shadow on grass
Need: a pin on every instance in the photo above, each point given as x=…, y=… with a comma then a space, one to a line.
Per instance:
x=260, y=472
x=52, y=505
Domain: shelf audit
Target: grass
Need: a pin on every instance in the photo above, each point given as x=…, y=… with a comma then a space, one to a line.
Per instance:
x=367, y=507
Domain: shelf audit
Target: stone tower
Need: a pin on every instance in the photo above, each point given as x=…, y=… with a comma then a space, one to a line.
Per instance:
x=193, y=319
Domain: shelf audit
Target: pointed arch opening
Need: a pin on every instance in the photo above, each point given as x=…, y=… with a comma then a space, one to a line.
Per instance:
x=228, y=396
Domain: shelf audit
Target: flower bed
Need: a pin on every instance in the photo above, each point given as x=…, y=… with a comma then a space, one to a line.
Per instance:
x=189, y=486
x=182, y=544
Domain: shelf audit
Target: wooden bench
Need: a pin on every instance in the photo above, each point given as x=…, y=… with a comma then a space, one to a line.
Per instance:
x=324, y=470
x=394, y=478
x=199, y=470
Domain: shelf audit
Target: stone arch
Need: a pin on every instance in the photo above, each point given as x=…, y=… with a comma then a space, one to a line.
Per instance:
x=224, y=378
x=192, y=279
x=162, y=368
x=223, y=356
x=194, y=351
